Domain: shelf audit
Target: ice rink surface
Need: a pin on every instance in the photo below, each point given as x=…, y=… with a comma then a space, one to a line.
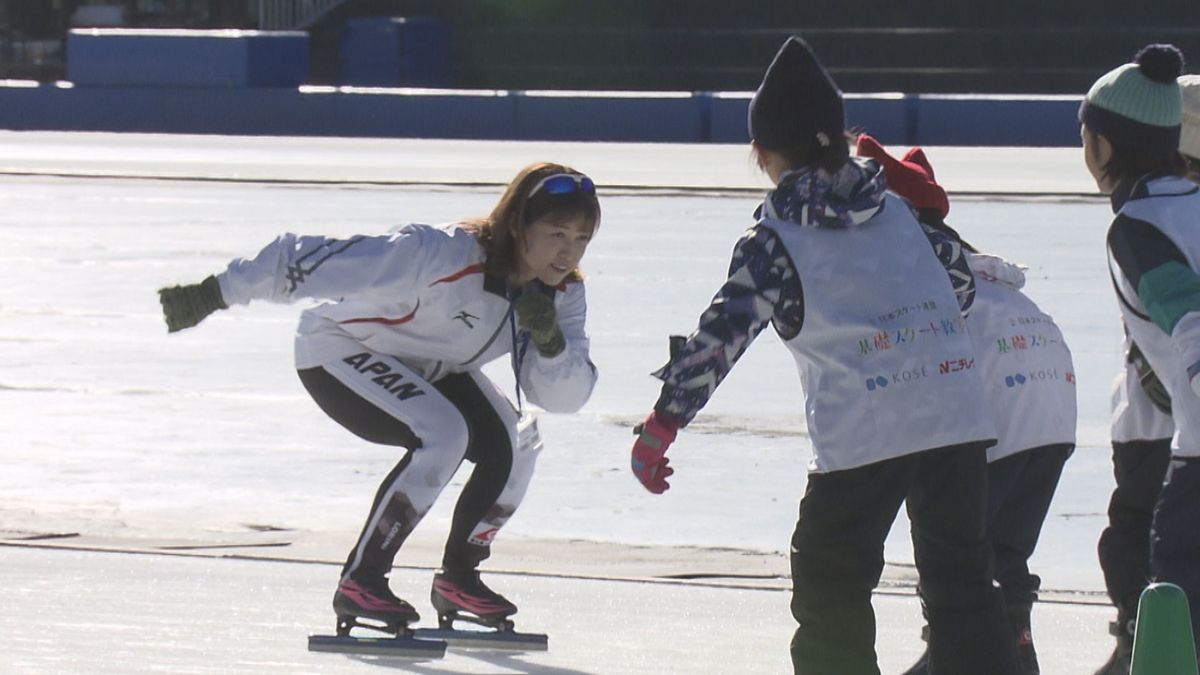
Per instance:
x=109, y=613
x=118, y=437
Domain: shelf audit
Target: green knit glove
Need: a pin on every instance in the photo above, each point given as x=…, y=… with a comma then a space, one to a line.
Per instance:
x=186, y=306
x=536, y=314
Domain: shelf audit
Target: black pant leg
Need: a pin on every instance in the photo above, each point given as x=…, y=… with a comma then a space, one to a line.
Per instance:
x=370, y=423
x=1020, y=489
x=1124, y=547
x=1175, y=533
x=490, y=449
x=968, y=629
x=837, y=559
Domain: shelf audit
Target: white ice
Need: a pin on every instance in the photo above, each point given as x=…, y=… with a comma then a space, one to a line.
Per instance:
x=136, y=439
x=75, y=612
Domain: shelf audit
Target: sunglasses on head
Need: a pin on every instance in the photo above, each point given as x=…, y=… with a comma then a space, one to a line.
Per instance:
x=565, y=184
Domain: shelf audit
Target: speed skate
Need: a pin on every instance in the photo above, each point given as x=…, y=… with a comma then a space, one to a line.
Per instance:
x=401, y=642
x=370, y=605
x=465, y=598
x=498, y=635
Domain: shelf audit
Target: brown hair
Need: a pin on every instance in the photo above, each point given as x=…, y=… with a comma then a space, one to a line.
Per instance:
x=500, y=232
x=1130, y=162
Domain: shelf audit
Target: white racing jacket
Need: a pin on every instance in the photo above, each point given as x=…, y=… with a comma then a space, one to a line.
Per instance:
x=420, y=294
x=1023, y=359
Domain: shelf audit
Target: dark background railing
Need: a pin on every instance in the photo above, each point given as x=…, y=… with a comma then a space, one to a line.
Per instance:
x=32, y=32
x=921, y=46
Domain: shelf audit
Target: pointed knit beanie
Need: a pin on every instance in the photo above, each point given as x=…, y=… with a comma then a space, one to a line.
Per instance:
x=798, y=105
x=1139, y=103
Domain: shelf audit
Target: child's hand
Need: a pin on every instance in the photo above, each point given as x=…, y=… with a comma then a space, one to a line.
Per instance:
x=649, y=461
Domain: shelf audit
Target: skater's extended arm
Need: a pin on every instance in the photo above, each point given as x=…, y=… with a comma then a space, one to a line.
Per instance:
x=294, y=267
x=558, y=374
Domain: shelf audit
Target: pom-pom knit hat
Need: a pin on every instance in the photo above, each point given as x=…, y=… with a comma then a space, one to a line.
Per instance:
x=1138, y=104
x=1189, y=138
x=911, y=177
x=798, y=105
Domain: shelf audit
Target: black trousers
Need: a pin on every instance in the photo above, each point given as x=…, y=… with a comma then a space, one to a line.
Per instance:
x=1020, y=489
x=837, y=560
x=1124, y=548
x=1175, y=533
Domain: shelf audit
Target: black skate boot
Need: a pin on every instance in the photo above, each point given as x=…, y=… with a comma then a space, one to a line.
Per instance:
x=463, y=596
x=1118, y=662
x=357, y=600
x=371, y=599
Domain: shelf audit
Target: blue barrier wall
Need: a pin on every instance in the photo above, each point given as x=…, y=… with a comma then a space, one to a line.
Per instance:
x=395, y=52
x=398, y=113
x=662, y=118
x=186, y=58
x=249, y=83
x=996, y=120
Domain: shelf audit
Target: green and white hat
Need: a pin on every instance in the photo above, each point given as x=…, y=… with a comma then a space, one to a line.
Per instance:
x=1139, y=103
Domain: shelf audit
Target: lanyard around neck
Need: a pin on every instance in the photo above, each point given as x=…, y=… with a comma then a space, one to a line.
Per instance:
x=517, y=355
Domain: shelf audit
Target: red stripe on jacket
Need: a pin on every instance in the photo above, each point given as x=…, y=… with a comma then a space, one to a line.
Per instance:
x=477, y=268
x=387, y=322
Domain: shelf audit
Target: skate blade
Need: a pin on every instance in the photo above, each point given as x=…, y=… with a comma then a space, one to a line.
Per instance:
x=497, y=640
x=400, y=646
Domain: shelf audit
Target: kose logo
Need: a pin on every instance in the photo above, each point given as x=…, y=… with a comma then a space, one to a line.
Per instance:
x=1034, y=375
x=898, y=377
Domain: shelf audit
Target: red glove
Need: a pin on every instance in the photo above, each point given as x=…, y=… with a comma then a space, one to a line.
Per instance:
x=649, y=460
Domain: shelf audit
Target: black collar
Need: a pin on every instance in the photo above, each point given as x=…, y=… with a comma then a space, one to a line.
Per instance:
x=1122, y=193
x=495, y=285
x=1130, y=189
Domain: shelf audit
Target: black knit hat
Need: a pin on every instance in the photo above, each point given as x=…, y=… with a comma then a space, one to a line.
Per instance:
x=798, y=105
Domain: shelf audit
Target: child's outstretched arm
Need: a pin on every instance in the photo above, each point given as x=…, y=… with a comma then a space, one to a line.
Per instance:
x=762, y=286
